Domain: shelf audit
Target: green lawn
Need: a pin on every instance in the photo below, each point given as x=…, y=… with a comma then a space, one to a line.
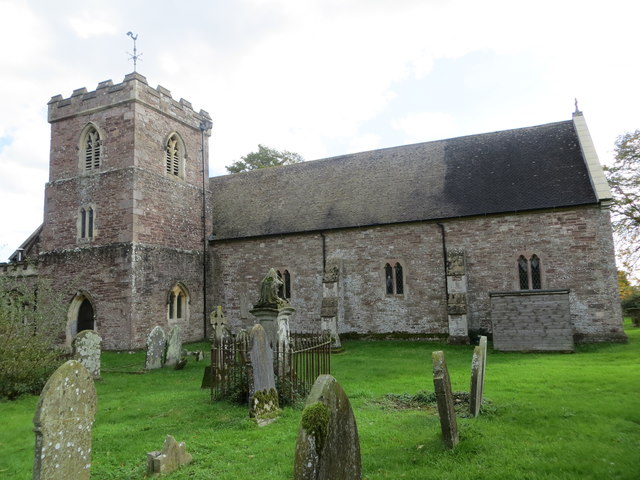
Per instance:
x=551, y=416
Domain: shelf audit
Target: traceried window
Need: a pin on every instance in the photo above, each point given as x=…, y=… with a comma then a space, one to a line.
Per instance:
x=523, y=273
x=177, y=304
x=394, y=278
x=86, y=223
x=174, y=156
x=90, y=148
x=529, y=276
x=285, y=289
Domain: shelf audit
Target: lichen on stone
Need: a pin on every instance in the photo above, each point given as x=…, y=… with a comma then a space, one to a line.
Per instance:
x=315, y=421
x=265, y=404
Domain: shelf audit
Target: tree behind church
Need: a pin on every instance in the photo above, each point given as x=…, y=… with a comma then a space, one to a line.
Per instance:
x=265, y=157
x=624, y=179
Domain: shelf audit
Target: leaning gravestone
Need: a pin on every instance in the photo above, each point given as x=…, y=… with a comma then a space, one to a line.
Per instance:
x=174, y=346
x=86, y=350
x=63, y=422
x=264, y=397
x=156, y=344
x=444, y=397
x=328, y=446
x=478, y=364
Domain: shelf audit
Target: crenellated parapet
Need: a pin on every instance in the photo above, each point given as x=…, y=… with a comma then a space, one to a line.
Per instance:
x=19, y=269
x=134, y=88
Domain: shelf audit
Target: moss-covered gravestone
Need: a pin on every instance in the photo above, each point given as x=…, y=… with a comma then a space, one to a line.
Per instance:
x=328, y=446
x=63, y=423
x=86, y=350
x=264, y=397
x=174, y=347
x=444, y=397
x=156, y=344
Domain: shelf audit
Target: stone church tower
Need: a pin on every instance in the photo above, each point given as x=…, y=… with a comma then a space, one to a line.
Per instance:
x=125, y=211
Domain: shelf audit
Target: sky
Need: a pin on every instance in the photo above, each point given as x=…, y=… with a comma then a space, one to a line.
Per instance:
x=317, y=77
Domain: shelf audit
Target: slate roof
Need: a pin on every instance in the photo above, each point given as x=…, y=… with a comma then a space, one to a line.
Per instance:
x=508, y=171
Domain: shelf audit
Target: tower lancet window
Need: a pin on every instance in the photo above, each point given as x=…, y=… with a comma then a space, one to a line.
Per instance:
x=85, y=223
x=91, y=148
x=174, y=156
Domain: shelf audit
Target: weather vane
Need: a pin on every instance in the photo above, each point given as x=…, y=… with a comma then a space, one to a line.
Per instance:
x=135, y=55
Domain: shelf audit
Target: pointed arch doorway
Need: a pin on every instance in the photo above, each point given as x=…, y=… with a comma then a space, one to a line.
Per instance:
x=81, y=316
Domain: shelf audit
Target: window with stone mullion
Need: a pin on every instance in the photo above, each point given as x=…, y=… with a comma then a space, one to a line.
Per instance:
x=173, y=160
x=92, y=151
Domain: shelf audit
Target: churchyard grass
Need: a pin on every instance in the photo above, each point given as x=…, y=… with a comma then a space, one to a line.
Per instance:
x=550, y=416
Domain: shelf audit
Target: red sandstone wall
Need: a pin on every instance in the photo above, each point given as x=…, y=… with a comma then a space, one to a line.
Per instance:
x=574, y=245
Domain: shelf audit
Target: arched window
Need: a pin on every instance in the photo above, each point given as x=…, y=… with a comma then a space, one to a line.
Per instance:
x=174, y=156
x=388, y=276
x=394, y=278
x=284, y=291
x=523, y=273
x=399, y=283
x=178, y=304
x=529, y=273
x=90, y=148
x=86, y=222
x=536, y=283
x=287, y=284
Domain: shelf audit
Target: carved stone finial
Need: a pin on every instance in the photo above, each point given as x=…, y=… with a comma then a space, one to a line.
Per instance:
x=269, y=292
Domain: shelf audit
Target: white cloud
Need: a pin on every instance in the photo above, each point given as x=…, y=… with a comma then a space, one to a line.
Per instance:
x=92, y=23
x=423, y=126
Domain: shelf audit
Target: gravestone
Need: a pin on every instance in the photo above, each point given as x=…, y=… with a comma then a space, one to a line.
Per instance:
x=444, y=397
x=243, y=344
x=328, y=446
x=172, y=457
x=156, y=343
x=264, y=397
x=86, y=350
x=63, y=422
x=219, y=327
x=478, y=364
x=174, y=346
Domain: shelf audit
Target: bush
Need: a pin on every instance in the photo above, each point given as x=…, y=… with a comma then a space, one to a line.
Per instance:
x=30, y=320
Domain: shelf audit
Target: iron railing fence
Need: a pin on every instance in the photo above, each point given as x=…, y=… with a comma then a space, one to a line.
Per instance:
x=296, y=366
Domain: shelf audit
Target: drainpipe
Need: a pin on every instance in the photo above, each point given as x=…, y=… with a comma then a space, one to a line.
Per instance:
x=324, y=252
x=444, y=258
x=205, y=125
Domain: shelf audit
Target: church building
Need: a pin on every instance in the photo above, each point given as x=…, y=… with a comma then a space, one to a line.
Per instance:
x=506, y=233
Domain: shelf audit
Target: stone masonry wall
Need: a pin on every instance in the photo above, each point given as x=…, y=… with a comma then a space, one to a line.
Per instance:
x=156, y=270
x=103, y=274
x=574, y=245
x=128, y=286
x=532, y=321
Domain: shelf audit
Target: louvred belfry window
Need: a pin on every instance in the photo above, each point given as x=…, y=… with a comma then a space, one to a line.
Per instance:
x=173, y=156
x=92, y=149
